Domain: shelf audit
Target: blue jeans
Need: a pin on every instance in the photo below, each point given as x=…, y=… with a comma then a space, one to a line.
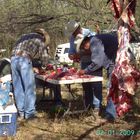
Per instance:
x=92, y=91
x=24, y=85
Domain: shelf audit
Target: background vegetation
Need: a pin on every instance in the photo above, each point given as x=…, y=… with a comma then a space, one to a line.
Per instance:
x=22, y=16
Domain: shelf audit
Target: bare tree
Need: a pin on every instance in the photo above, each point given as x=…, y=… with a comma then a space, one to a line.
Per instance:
x=22, y=16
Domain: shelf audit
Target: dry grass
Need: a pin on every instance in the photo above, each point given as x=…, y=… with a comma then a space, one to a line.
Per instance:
x=82, y=126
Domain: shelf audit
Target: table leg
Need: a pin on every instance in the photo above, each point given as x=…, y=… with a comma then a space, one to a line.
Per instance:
x=70, y=91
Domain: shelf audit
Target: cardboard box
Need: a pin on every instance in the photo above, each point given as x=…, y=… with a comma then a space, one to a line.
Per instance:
x=8, y=119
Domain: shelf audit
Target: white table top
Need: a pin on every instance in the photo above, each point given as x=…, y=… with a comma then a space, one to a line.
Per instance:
x=73, y=81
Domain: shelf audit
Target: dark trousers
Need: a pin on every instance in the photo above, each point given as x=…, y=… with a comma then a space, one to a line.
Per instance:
x=92, y=90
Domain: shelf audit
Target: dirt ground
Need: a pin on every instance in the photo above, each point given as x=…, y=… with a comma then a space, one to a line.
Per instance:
x=52, y=124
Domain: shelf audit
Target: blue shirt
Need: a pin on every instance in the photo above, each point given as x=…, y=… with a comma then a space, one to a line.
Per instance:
x=103, y=51
x=85, y=32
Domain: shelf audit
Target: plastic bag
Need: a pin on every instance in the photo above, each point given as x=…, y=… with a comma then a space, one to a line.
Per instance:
x=4, y=93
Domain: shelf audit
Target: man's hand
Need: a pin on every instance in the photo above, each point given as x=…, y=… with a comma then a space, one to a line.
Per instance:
x=74, y=57
x=71, y=56
x=81, y=72
x=36, y=70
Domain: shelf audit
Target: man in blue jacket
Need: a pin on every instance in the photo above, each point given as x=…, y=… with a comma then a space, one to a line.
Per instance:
x=74, y=28
x=102, y=49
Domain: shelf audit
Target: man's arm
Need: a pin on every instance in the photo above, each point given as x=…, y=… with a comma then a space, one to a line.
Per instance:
x=97, y=55
x=72, y=49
